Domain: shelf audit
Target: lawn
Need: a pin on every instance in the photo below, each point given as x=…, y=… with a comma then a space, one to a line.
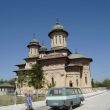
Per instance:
x=10, y=99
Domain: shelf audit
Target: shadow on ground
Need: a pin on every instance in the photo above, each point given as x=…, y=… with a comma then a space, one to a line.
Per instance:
x=65, y=109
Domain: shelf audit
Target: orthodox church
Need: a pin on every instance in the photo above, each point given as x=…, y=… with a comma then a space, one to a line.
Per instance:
x=60, y=65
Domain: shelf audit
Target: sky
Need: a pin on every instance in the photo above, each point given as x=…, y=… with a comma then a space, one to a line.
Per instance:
x=87, y=22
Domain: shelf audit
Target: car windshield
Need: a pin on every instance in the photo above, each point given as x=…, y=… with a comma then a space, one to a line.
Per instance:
x=55, y=92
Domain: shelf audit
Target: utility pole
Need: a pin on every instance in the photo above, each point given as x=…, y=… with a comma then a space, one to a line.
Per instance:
x=16, y=81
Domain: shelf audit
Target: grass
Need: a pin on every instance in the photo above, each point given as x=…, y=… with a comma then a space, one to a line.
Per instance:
x=10, y=99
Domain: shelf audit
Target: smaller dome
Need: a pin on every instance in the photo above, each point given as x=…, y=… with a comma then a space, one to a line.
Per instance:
x=33, y=42
x=43, y=48
x=58, y=26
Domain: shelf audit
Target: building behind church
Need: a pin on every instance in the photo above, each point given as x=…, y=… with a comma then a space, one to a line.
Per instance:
x=60, y=65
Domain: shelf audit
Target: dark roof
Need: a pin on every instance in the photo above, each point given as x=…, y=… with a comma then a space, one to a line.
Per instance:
x=28, y=58
x=6, y=85
x=23, y=64
x=22, y=70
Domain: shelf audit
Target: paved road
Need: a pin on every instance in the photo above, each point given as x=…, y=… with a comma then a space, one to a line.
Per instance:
x=99, y=102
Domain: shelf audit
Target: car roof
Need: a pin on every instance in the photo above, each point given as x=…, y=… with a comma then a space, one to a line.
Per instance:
x=64, y=87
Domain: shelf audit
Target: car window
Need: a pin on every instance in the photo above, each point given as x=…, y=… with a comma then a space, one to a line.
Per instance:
x=70, y=91
x=56, y=92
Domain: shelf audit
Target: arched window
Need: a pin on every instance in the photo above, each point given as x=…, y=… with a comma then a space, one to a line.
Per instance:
x=52, y=40
x=63, y=40
x=56, y=39
x=52, y=80
x=31, y=50
x=77, y=83
x=60, y=39
x=35, y=50
x=86, y=79
x=70, y=84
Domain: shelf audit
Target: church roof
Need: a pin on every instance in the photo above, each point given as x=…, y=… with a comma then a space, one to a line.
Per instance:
x=77, y=56
x=74, y=55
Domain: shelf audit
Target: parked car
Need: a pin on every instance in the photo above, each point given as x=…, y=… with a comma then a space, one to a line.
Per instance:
x=64, y=97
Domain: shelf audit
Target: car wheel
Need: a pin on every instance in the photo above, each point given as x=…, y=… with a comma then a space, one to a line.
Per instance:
x=79, y=104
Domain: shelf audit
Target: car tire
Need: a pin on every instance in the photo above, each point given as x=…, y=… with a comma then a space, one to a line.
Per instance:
x=79, y=103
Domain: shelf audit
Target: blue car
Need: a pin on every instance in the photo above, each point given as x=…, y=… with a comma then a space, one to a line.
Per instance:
x=64, y=97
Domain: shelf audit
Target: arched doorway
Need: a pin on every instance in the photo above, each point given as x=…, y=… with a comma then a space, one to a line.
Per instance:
x=70, y=83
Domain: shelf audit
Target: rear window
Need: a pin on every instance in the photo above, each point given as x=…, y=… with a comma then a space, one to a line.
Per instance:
x=55, y=92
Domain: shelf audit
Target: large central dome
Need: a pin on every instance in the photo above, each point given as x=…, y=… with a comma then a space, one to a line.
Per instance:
x=58, y=28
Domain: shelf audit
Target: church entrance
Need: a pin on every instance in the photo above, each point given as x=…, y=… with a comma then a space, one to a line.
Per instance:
x=70, y=84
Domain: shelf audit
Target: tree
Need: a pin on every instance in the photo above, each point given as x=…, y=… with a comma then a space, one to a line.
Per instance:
x=96, y=83
x=106, y=83
x=1, y=81
x=12, y=81
x=21, y=78
x=37, y=76
x=92, y=82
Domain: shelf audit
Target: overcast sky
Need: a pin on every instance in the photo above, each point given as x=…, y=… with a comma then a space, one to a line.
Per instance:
x=87, y=21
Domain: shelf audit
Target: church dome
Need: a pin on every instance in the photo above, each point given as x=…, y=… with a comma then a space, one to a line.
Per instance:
x=33, y=42
x=43, y=48
x=58, y=26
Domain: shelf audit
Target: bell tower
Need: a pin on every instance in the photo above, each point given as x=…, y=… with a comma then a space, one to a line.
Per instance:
x=58, y=36
x=33, y=47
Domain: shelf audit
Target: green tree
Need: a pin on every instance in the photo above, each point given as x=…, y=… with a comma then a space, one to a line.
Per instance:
x=12, y=81
x=106, y=83
x=96, y=83
x=1, y=81
x=92, y=82
x=37, y=76
x=21, y=77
